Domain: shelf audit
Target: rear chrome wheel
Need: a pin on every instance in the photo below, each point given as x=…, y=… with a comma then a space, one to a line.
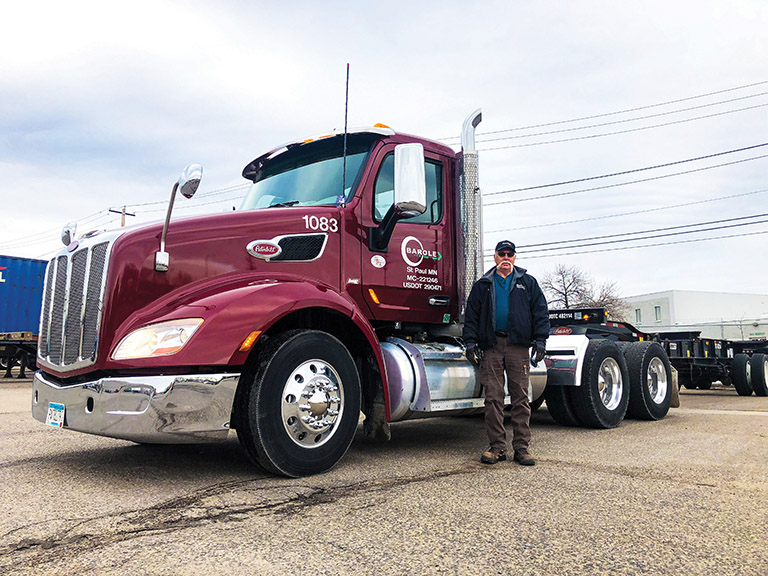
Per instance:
x=650, y=378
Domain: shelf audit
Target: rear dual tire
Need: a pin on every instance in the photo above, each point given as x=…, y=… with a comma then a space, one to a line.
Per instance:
x=758, y=368
x=650, y=379
x=741, y=375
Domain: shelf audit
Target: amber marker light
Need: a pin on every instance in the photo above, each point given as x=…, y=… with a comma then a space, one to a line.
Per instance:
x=380, y=125
x=250, y=341
x=373, y=296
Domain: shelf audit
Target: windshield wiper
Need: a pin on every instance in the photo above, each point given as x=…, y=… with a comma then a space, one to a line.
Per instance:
x=283, y=204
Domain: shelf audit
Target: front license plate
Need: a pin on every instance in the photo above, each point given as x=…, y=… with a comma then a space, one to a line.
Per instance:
x=55, y=415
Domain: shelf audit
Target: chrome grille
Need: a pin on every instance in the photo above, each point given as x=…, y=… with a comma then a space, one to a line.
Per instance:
x=72, y=305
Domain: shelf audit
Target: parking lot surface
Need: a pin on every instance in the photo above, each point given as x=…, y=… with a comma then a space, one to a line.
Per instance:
x=685, y=495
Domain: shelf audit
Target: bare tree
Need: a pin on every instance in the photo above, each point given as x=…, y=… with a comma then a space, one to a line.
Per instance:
x=567, y=287
x=571, y=287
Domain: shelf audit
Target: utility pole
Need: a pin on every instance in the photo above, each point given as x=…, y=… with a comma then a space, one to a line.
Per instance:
x=123, y=214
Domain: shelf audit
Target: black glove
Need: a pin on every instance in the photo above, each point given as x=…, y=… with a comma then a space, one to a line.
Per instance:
x=474, y=354
x=538, y=352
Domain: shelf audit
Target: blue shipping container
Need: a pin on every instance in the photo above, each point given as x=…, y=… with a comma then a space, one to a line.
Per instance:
x=21, y=293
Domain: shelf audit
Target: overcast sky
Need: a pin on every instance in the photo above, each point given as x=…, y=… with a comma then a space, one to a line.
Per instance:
x=102, y=104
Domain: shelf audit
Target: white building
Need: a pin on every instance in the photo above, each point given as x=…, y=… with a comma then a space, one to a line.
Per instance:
x=715, y=314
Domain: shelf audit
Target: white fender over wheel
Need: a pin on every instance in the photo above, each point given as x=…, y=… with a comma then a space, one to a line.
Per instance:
x=299, y=412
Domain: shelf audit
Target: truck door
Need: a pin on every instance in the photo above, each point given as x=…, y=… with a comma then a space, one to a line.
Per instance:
x=413, y=280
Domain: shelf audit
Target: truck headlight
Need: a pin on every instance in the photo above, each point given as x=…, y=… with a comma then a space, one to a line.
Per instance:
x=161, y=339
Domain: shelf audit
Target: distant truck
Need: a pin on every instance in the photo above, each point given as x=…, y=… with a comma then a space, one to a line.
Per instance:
x=338, y=287
x=21, y=294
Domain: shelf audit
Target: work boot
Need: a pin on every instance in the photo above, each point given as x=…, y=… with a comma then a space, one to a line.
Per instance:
x=492, y=455
x=524, y=458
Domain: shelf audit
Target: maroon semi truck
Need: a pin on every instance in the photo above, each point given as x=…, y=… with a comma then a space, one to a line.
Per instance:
x=338, y=287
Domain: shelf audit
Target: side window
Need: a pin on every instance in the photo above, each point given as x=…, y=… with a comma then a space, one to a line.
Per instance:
x=384, y=191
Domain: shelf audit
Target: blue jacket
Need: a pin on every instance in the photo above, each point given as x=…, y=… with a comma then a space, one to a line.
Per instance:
x=528, y=312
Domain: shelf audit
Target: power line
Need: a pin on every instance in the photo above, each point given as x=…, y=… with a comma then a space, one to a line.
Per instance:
x=649, y=245
x=685, y=204
x=625, y=183
x=678, y=227
x=594, y=116
x=654, y=245
x=626, y=171
x=647, y=237
x=620, y=131
x=636, y=119
x=50, y=234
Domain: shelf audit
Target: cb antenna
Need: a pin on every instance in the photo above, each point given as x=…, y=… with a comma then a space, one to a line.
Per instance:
x=344, y=161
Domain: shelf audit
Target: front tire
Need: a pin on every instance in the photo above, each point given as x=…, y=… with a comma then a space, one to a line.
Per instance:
x=601, y=400
x=650, y=378
x=299, y=412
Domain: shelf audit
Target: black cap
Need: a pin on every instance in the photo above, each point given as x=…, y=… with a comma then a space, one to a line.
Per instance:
x=505, y=244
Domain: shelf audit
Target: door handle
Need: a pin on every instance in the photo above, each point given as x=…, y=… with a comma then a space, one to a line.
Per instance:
x=439, y=300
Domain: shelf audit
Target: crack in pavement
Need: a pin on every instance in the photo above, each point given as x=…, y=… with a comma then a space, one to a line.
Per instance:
x=230, y=501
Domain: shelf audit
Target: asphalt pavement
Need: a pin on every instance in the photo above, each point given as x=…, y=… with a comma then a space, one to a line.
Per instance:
x=685, y=495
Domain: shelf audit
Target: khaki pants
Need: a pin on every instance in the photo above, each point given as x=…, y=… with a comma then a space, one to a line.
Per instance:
x=514, y=360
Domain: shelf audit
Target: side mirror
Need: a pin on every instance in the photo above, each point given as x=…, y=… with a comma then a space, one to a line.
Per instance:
x=187, y=183
x=190, y=180
x=410, y=181
x=410, y=194
x=68, y=233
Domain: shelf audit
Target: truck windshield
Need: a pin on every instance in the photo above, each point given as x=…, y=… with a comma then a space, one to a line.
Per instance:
x=308, y=174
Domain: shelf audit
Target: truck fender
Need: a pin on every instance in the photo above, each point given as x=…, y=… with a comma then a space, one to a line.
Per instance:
x=229, y=316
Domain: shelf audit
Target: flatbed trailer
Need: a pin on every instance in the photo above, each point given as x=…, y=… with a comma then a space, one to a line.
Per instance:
x=17, y=349
x=701, y=361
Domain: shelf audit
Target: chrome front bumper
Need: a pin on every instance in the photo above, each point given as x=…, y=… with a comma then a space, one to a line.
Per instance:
x=151, y=409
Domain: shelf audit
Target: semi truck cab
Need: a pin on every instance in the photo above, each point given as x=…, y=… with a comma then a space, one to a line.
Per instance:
x=338, y=287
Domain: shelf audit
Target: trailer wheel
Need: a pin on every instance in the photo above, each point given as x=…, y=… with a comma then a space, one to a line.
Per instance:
x=650, y=378
x=601, y=400
x=758, y=368
x=560, y=405
x=740, y=374
x=300, y=410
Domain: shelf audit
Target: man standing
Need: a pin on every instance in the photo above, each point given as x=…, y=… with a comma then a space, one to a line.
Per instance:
x=506, y=315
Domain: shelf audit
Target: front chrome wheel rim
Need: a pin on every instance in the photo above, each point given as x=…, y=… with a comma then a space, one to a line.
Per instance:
x=656, y=380
x=609, y=383
x=312, y=403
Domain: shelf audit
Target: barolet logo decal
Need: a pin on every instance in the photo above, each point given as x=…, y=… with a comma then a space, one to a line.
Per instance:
x=264, y=249
x=414, y=253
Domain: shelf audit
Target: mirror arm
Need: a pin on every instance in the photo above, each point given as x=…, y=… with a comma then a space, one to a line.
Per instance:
x=162, y=259
x=379, y=236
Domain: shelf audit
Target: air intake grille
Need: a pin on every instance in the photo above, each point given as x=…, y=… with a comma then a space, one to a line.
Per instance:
x=301, y=248
x=72, y=303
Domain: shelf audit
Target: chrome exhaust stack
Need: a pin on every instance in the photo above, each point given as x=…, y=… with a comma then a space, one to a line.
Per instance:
x=470, y=217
